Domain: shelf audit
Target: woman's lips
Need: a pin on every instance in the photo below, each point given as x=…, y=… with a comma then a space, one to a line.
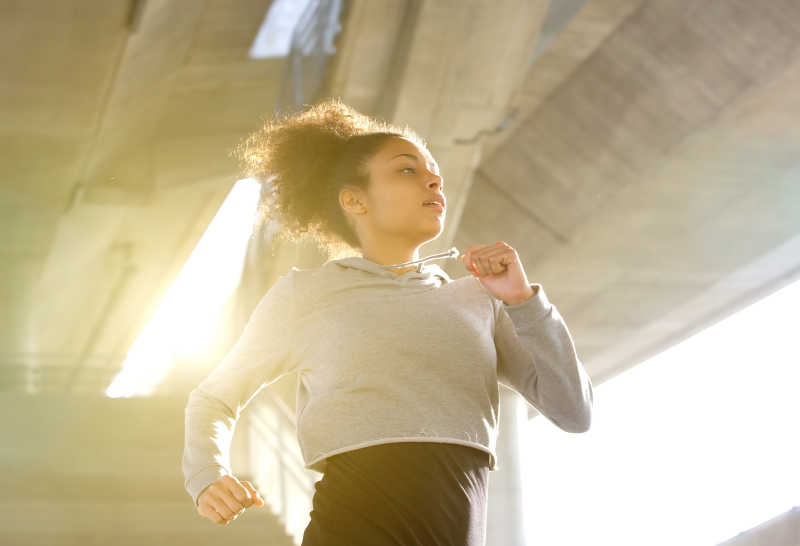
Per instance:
x=436, y=206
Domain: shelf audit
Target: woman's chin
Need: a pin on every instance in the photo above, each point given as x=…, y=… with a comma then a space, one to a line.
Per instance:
x=431, y=226
x=437, y=226
x=435, y=216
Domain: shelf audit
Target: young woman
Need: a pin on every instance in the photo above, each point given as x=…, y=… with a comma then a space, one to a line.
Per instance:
x=398, y=364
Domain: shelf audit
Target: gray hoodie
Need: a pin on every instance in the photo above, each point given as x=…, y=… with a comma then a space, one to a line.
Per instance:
x=384, y=357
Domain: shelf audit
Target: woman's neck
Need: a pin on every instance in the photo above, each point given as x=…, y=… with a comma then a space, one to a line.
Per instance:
x=390, y=258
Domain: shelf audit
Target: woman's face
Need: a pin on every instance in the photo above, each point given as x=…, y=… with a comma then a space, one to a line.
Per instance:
x=402, y=178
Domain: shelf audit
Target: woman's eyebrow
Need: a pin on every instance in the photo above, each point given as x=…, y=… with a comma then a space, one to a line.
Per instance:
x=412, y=156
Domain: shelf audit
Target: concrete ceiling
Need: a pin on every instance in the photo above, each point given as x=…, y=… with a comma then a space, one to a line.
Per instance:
x=662, y=166
x=640, y=155
x=117, y=120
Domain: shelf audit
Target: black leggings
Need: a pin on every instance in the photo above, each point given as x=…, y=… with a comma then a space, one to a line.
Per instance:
x=401, y=494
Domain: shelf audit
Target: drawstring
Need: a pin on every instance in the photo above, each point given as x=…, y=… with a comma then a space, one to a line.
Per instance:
x=452, y=253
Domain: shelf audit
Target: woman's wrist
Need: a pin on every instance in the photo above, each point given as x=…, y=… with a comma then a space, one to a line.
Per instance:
x=524, y=297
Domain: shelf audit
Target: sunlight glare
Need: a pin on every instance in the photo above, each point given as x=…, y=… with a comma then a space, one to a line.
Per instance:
x=188, y=316
x=693, y=446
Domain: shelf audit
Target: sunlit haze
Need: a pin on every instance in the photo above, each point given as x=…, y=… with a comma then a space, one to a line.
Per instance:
x=188, y=315
x=693, y=446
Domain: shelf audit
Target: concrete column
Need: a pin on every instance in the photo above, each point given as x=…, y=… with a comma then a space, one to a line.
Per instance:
x=505, y=517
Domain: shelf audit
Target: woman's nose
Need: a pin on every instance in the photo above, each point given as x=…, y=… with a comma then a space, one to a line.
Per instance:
x=436, y=181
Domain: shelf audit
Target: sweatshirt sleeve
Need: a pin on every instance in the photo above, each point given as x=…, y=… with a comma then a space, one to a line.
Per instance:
x=536, y=357
x=259, y=357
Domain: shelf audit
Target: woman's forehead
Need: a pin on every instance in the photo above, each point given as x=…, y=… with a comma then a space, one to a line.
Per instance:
x=401, y=145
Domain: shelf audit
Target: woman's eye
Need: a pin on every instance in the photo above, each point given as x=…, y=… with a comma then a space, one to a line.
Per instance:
x=407, y=169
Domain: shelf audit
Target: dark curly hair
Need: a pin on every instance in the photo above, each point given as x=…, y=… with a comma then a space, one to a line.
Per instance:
x=307, y=157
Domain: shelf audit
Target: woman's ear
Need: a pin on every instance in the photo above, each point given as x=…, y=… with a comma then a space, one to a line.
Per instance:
x=351, y=200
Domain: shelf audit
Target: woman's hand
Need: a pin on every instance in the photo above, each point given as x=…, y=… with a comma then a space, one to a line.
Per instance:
x=226, y=498
x=498, y=268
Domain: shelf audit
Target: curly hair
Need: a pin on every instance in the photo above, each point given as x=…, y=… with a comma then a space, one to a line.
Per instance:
x=307, y=157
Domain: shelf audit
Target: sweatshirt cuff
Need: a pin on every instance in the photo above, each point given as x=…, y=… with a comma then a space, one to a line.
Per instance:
x=203, y=479
x=538, y=304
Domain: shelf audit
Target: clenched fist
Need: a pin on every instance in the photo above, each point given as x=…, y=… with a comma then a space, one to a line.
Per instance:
x=500, y=271
x=226, y=498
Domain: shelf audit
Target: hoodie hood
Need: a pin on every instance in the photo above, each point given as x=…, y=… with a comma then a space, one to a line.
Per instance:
x=423, y=273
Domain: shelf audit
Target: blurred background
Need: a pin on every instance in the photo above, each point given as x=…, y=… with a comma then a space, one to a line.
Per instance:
x=642, y=156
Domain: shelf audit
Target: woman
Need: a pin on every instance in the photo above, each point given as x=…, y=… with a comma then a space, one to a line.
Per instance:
x=398, y=364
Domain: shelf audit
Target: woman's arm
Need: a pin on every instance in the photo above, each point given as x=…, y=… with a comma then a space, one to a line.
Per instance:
x=536, y=357
x=261, y=356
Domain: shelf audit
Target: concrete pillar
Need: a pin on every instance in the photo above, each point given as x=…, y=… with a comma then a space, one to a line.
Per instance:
x=505, y=525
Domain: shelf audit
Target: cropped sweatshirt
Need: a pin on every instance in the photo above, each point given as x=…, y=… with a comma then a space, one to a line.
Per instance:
x=385, y=357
